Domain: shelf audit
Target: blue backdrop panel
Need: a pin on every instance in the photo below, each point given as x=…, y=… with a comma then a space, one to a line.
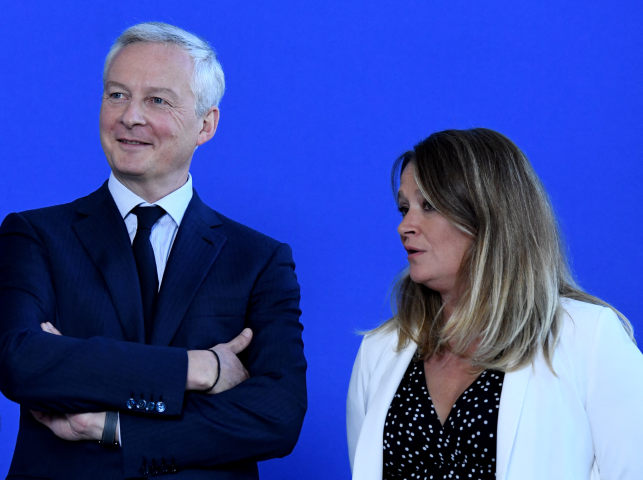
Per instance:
x=322, y=96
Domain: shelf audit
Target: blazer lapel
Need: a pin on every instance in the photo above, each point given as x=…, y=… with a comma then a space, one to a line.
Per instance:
x=368, y=453
x=103, y=235
x=511, y=402
x=194, y=251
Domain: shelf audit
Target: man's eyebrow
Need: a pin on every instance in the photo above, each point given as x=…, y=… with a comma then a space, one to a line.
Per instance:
x=167, y=91
x=162, y=90
x=112, y=83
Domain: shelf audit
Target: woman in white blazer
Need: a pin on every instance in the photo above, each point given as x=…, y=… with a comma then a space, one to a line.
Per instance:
x=488, y=303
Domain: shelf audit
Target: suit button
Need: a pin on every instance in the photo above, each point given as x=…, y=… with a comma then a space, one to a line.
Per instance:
x=141, y=404
x=131, y=403
x=150, y=406
x=160, y=407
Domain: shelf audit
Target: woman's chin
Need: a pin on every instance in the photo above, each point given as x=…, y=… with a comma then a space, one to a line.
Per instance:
x=417, y=277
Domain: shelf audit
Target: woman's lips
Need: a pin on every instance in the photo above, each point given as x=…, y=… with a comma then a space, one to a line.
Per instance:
x=413, y=253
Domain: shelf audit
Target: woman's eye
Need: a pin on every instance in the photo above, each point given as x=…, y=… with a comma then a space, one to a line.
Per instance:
x=427, y=206
x=403, y=210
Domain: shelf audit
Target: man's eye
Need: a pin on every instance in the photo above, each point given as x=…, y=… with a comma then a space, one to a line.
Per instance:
x=158, y=100
x=116, y=96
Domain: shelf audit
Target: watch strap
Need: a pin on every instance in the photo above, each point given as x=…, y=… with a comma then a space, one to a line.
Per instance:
x=109, y=431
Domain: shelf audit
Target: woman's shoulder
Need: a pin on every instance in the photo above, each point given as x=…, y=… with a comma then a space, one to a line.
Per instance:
x=379, y=346
x=583, y=322
x=379, y=358
x=587, y=312
x=585, y=315
x=381, y=339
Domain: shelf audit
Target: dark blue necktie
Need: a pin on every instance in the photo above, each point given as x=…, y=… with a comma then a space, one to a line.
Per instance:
x=145, y=262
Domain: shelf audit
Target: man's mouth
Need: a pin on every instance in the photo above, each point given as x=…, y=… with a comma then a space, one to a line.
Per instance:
x=132, y=142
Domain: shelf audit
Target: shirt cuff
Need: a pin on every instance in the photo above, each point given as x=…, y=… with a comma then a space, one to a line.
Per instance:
x=118, y=428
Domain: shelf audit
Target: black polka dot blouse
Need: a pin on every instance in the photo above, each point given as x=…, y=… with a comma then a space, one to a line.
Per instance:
x=418, y=447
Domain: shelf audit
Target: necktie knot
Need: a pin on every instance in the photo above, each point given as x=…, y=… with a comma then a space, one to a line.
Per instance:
x=147, y=216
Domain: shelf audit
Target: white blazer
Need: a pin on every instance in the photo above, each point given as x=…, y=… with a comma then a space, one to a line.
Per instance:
x=584, y=423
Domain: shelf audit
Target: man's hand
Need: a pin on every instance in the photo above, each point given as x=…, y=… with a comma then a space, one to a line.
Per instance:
x=73, y=426
x=49, y=328
x=232, y=370
x=202, y=365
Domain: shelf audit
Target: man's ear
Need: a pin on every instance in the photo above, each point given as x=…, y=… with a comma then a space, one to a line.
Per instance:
x=209, y=126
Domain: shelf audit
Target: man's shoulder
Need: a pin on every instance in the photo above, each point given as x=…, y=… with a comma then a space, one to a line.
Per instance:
x=244, y=232
x=241, y=242
x=230, y=228
x=58, y=214
x=245, y=242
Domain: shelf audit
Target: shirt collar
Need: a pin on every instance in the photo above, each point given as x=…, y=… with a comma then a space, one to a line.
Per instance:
x=175, y=203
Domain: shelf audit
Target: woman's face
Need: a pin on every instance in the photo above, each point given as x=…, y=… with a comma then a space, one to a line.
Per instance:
x=435, y=246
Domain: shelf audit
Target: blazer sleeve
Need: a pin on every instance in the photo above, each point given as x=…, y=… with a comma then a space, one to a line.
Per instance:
x=258, y=419
x=615, y=390
x=46, y=372
x=356, y=404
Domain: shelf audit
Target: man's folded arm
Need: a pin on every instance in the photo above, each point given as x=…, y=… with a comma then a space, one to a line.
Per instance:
x=258, y=419
x=64, y=374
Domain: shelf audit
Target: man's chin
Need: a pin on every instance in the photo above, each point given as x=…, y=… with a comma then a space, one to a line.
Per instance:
x=129, y=169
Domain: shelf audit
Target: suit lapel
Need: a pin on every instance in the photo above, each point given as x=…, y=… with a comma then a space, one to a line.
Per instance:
x=194, y=251
x=511, y=402
x=103, y=235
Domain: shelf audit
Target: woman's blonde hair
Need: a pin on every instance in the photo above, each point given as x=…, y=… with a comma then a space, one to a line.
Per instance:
x=515, y=271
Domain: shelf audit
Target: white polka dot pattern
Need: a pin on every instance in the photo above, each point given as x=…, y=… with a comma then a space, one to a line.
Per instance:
x=418, y=447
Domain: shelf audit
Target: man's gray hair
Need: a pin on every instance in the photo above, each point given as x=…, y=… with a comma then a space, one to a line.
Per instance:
x=208, y=82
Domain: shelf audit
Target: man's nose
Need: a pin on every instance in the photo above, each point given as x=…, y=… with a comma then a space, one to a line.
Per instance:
x=133, y=115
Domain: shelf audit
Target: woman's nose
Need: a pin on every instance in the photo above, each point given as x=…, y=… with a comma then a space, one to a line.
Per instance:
x=407, y=226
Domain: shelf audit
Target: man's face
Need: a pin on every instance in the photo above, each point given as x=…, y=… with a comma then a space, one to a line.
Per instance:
x=148, y=125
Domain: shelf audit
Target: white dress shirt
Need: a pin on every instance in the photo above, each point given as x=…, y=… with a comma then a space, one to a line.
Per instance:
x=164, y=231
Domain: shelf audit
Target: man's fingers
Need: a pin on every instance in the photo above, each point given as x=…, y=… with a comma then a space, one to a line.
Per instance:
x=240, y=342
x=49, y=328
x=43, y=418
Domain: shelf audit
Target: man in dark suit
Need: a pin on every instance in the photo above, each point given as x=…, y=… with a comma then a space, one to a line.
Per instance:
x=110, y=305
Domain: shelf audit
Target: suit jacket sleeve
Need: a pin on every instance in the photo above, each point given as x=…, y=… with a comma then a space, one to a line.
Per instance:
x=258, y=419
x=51, y=373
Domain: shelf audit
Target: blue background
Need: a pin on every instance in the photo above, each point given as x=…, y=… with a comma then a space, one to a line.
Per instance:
x=321, y=98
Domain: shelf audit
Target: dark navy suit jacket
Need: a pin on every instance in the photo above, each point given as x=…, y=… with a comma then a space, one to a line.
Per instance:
x=73, y=265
